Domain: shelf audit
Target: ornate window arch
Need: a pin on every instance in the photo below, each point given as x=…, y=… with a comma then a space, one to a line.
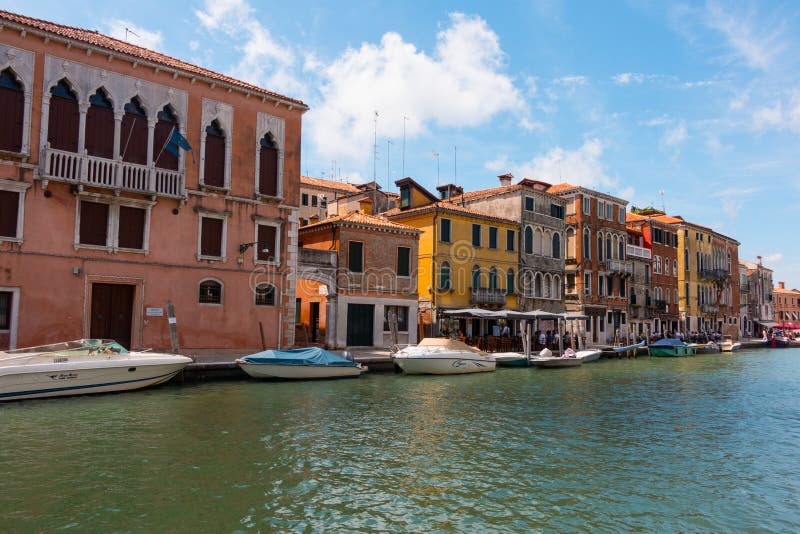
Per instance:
x=528, y=240
x=587, y=244
x=537, y=285
x=63, y=120
x=12, y=105
x=167, y=120
x=20, y=65
x=556, y=245
x=269, y=180
x=537, y=241
x=548, y=286
x=476, y=277
x=220, y=115
x=600, y=246
x=556, y=293
x=570, y=244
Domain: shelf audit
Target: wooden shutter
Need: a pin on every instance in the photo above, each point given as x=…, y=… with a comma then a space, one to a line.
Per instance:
x=211, y=238
x=131, y=227
x=355, y=256
x=9, y=207
x=100, y=132
x=167, y=160
x=403, y=261
x=268, y=171
x=63, y=123
x=6, y=299
x=214, y=170
x=94, y=223
x=133, y=141
x=12, y=108
x=266, y=238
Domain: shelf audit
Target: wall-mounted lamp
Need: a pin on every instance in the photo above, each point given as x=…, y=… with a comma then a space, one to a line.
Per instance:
x=76, y=271
x=244, y=246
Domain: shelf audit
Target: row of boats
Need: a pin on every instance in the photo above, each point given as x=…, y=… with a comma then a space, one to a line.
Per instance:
x=99, y=366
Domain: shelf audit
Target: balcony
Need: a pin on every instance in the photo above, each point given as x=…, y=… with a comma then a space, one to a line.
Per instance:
x=317, y=258
x=709, y=308
x=623, y=267
x=484, y=296
x=83, y=169
x=639, y=252
x=714, y=274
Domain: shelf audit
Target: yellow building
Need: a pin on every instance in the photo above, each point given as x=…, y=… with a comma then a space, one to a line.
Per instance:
x=467, y=258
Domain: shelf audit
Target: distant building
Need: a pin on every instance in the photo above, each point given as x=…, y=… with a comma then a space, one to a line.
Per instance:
x=758, y=290
x=787, y=308
x=640, y=298
x=316, y=196
x=597, y=268
x=102, y=224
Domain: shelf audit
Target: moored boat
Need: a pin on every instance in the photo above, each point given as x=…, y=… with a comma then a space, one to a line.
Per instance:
x=547, y=360
x=628, y=349
x=728, y=345
x=441, y=356
x=305, y=363
x=510, y=359
x=669, y=346
x=777, y=340
x=705, y=348
x=80, y=367
x=588, y=355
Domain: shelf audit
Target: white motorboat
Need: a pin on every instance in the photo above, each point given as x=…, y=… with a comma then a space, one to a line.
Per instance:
x=546, y=359
x=305, y=363
x=440, y=356
x=729, y=345
x=80, y=367
x=588, y=355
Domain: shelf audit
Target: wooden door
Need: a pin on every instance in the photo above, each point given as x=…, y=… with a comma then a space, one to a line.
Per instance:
x=112, y=312
x=360, y=318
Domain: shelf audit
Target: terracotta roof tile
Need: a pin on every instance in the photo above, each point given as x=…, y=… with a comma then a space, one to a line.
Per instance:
x=363, y=219
x=330, y=184
x=111, y=44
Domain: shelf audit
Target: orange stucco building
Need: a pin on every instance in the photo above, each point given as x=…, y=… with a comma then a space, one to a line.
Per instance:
x=101, y=224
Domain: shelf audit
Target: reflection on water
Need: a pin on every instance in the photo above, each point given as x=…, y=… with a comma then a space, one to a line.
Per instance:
x=704, y=443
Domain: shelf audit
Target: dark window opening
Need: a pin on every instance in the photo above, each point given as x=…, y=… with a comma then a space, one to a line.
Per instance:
x=402, y=318
x=131, y=227
x=100, y=127
x=355, y=256
x=267, y=242
x=94, y=224
x=9, y=207
x=211, y=237
x=214, y=169
x=167, y=121
x=511, y=240
x=268, y=167
x=6, y=299
x=403, y=261
x=133, y=143
x=492, y=237
x=445, y=230
x=12, y=108
x=63, y=121
x=210, y=292
x=265, y=295
x=476, y=235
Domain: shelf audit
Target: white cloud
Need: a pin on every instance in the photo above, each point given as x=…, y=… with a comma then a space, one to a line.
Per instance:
x=497, y=165
x=757, y=41
x=571, y=81
x=675, y=136
x=626, y=78
x=461, y=84
x=581, y=166
x=130, y=32
x=264, y=62
x=194, y=45
x=732, y=200
x=772, y=258
x=783, y=115
x=658, y=121
x=532, y=88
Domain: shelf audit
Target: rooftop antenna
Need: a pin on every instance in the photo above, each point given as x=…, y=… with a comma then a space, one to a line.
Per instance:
x=455, y=165
x=388, y=171
x=130, y=31
x=435, y=156
x=404, y=146
x=375, y=164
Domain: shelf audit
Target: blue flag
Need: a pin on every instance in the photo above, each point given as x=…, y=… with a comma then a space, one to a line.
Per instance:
x=176, y=141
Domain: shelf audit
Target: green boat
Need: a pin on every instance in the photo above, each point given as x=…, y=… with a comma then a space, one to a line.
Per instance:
x=669, y=346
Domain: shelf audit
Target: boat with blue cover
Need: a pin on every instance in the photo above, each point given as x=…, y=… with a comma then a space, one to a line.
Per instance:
x=310, y=362
x=670, y=346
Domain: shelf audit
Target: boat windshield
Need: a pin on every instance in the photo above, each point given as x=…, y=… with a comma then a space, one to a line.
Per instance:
x=87, y=346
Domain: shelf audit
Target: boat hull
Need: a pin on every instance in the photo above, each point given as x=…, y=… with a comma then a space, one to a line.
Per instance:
x=674, y=351
x=443, y=365
x=779, y=343
x=510, y=359
x=299, y=372
x=57, y=380
x=588, y=355
x=554, y=363
x=729, y=347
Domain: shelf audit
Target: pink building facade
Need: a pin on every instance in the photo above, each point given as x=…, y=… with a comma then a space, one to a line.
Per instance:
x=101, y=225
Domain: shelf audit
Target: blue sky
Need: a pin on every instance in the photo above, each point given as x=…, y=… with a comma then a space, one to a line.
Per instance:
x=698, y=100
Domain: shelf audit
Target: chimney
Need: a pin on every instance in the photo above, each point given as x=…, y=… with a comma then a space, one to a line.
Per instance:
x=781, y=285
x=759, y=261
x=505, y=179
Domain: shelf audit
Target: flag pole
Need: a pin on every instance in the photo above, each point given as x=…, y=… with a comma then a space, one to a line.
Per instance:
x=130, y=133
x=169, y=137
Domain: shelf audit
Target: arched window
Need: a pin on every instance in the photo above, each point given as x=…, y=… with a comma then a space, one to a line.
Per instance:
x=621, y=246
x=210, y=292
x=548, y=287
x=587, y=245
x=674, y=267
x=633, y=297
x=214, y=168
x=265, y=294
x=444, y=276
x=647, y=297
x=510, y=282
x=600, y=247
x=476, y=277
x=268, y=166
x=537, y=241
x=666, y=266
x=167, y=121
x=528, y=240
x=99, y=136
x=64, y=119
x=556, y=245
x=12, y=108
x=608, y=247
x=537, y=285
x=492, y=277
x=570, y=244
x=133, y=143
x=556, y=293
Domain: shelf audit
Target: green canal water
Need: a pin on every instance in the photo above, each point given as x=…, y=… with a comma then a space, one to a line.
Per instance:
x=697, y=444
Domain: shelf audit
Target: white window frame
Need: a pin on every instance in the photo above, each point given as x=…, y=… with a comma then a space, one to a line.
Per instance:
x=263, y=221
x=587, y=287
x=223, y=114
x=212, y=215
x=525, y=203
x=601, y=209
x=587, y=205
x=14, y=319
x=21, y=188
x=221, y=292
x=112, y=224
x=621, y=215
x=276, y=127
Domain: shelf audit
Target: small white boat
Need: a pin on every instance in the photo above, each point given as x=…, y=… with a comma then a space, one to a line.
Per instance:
x=728, y=345
x=440, y=356
x=588, y=355
x=80, y=367
x=510, y=359
x=547, y=360
x=306, y=363
x=629, y=348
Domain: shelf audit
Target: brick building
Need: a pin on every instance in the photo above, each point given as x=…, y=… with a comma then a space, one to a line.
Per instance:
x=787, y=308
x=101, y=226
